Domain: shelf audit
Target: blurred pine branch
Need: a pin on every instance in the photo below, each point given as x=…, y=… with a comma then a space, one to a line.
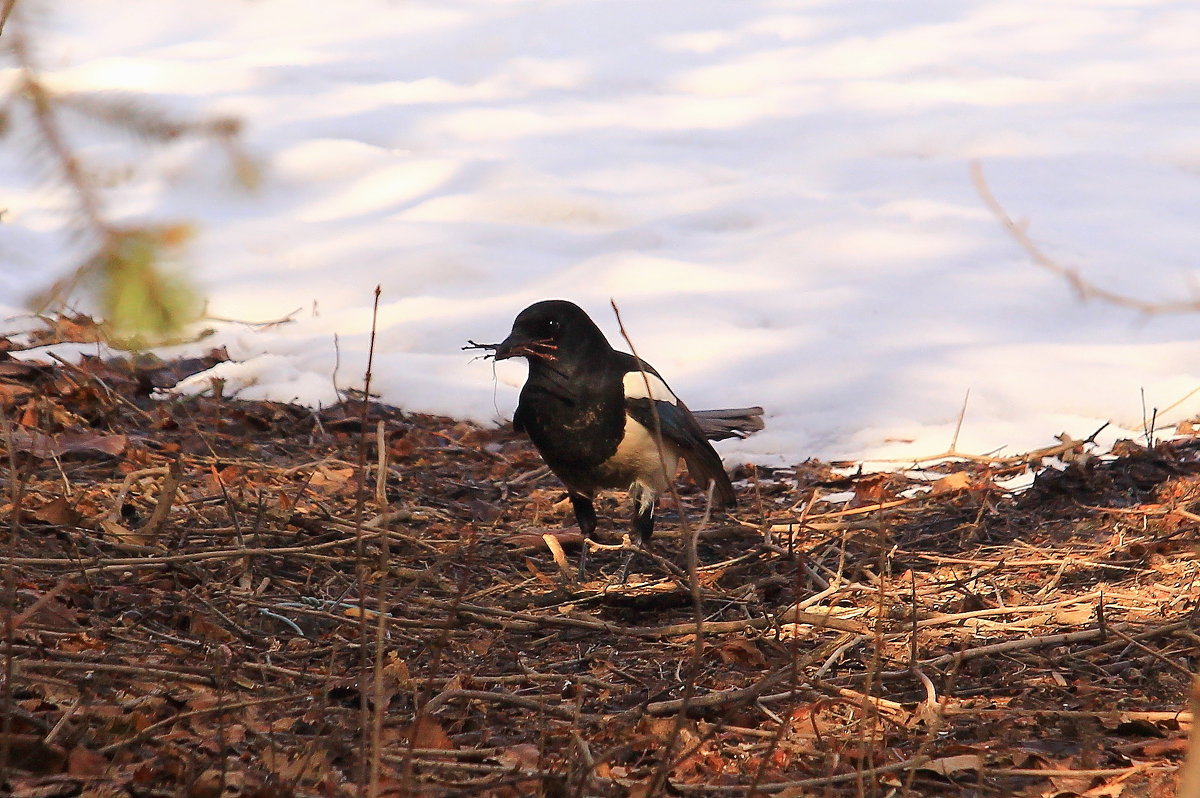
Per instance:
x=132, y=273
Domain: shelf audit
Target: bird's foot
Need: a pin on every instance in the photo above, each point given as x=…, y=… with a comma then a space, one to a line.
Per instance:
x=625, y=568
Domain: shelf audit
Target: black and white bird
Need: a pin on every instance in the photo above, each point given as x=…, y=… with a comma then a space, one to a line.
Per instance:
x=597, y=417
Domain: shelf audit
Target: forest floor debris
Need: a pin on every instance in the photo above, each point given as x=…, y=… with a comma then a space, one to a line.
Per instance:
x=194, y=587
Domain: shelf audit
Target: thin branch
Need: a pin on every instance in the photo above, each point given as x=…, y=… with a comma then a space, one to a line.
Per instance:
x=1082, y=288
x=5, y=12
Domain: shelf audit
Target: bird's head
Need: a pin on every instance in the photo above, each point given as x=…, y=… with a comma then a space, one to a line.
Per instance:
x=554, y=331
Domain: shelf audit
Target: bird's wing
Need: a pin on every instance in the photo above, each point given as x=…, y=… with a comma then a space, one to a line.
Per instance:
x=647, y=395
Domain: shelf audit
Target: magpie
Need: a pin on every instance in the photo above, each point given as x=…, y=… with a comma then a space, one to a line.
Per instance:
x=597, y=417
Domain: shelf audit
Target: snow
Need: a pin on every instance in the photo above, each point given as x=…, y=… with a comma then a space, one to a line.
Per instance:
x=775, y=193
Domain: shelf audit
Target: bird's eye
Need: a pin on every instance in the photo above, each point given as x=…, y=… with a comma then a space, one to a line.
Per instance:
x=552, y=326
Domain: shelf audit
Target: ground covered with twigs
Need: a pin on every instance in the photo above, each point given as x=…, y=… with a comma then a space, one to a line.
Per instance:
x=195, y=586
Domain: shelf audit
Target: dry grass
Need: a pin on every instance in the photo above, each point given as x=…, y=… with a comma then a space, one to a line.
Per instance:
x=207, y=637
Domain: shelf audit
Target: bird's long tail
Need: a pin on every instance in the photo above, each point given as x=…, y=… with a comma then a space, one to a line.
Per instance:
x=738, y=422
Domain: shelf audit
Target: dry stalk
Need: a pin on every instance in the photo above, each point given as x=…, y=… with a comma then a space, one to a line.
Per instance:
x=822, y=781
x=381, y=626
x=198, y=675
x=166, y=497
x=659, y=780
x=16, y=493
x=381, y=466
x=369, y=773
x=1119, y=715
x=1189, y=773
x=525, y=702
x=1020, y=644
x=1083, y=289
x=941, y=620
x=110, y=564
x=1080, y=773
x=1170, y=663
x=5, y=11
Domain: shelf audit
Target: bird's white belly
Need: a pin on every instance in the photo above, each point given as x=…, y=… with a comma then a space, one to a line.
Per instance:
x=638, y=461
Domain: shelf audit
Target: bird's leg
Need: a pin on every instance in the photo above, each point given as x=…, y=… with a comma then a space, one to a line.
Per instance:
x=585, y=515
x=644, y=501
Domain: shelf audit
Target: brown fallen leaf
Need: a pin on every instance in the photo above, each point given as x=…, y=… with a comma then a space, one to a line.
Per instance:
x=123, y=534
x=537, y=538
x=739, y=651
x=329, y=481
x=426, y=732
x=396, y=670
x=1074, y=616
x=556, y=550
x=1158, y=748
x=481, y=644
x=49, y=611
x=21, y=369
x=1110, y=789
x=948, y=765
x=56, y=512
x=85, y=762
x=33, y=754
x=10, y=394
x=47, y=447
x=203, y=627
x=521, y=755
x=951, y=483
x=871, y=490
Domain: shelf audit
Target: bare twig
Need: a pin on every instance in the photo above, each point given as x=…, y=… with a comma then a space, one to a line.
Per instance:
x=659, y=779
x=541, y=707
x=822, y=781
x=1189, y=774
x=371, y=725
x=1082, y=288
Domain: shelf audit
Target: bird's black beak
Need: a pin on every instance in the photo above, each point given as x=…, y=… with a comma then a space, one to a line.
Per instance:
x=515, y=345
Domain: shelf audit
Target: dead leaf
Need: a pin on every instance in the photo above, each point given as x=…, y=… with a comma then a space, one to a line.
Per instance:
x=739, y=651
x=537, y=538
x=304, y=767
x=481, y=645
x=1074, y=616
x=1159, y=748
x=522, y=755
x=56, y=512
x=871, y=490
x=93, y=445
x=1070, y=784
x=329, y=481
x=213, y=782
x=123, y=534
x=640, y=790
x=21, y=369
x=1111, y=789
x=11, y=394
x=556, y=550
x=47, y=610
x=426, y=732
x=81, y=642
x=203, y=627
x=84, y=762
x=949, y=765
x=47, y=447
x=952, y=483
x=396, y=670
